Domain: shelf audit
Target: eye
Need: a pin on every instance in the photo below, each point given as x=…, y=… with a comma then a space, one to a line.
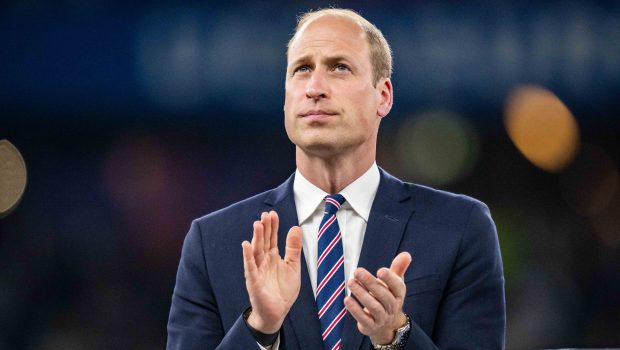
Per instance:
x=341, y=67
x=301, y=69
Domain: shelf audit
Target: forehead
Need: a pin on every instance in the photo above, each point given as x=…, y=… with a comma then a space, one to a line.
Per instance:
x=329, y=34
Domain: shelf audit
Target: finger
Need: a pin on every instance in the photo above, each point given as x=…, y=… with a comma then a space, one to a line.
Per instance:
x=293, y=246
x=258, y=242
x=365, y=322
x=275, y=225
x=393, y=282
x=367, y=279
x=266, y=220
x=378, y=289
x=249, y=264
x=401, y=263
x=374, y=307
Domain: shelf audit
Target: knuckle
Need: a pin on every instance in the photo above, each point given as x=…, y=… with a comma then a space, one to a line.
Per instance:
x=384, y=320
x=361, y=328
x=378, y=318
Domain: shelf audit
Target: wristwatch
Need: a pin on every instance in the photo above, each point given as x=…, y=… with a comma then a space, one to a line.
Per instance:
x=402, y=334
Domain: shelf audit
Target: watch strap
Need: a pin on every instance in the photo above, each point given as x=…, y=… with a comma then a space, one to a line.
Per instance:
x=402, y=335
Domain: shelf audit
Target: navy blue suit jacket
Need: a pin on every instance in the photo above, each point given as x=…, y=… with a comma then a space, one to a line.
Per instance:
x=455, y=283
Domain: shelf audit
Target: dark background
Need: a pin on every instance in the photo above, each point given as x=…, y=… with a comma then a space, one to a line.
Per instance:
x=135, y=119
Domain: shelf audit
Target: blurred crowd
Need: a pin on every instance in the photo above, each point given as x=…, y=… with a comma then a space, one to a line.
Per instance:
x=134, y=120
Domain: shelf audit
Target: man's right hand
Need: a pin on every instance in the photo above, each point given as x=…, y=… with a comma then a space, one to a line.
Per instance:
x=272, y=282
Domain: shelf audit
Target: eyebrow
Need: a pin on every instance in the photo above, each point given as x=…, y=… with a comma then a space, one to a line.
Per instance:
x=329, y=60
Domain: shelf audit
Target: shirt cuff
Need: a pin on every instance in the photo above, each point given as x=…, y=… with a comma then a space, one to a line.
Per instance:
x=261, y=338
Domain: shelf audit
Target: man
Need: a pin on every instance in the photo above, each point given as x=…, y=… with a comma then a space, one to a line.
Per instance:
x=342, y=282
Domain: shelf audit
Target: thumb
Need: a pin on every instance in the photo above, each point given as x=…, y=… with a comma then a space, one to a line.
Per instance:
x=401, y=263
x=293, y=246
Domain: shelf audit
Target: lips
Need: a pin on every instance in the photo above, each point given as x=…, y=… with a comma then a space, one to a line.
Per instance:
x=317, y=114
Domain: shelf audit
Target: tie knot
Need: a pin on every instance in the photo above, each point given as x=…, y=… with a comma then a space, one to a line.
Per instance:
x=333, y=203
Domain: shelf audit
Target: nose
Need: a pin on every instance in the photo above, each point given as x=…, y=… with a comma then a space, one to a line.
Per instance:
x=317, y=86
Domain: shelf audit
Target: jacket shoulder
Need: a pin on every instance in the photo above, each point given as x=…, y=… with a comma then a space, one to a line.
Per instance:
x=434, y=205
x=440, y=197
x=425, y=198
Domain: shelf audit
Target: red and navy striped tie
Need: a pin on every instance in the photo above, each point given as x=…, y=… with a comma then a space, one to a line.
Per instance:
x=330, y=275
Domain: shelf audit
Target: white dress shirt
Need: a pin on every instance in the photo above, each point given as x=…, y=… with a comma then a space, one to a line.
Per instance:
x=352, y=220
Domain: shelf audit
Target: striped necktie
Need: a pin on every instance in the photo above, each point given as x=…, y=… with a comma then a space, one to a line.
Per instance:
x=330, y=275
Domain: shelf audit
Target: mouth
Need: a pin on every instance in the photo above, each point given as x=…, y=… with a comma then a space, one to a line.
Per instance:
x=317, y=114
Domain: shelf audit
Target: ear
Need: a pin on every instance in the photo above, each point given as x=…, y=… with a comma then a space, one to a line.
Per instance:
x=385, y=97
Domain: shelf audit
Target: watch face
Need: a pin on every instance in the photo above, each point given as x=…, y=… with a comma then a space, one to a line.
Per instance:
x=402, y=334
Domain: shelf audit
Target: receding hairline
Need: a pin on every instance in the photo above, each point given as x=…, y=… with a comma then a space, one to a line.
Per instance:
x=306, y=19
x=380, y=51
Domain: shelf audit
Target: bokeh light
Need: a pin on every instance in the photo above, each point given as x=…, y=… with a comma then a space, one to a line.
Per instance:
x=541, y=127
x=171, y=51
x=437, y=148
x=590, y=183
x=141, y=176
x=136, y=171
x=12, y=177
x=136, y=117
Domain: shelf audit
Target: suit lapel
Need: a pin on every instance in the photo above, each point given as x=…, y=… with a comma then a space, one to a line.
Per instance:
x=301, y=321
x=388, y=218
x=389, y=215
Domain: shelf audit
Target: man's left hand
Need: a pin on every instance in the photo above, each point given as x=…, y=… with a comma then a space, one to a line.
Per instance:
x=378, y=309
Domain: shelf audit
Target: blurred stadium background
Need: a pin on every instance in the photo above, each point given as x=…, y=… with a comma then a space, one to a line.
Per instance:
x=133, y=119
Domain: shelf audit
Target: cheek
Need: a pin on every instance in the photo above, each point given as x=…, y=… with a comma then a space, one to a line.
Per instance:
x=288, y=122
x=294, y=89
x=363, y=104
x=289, y=105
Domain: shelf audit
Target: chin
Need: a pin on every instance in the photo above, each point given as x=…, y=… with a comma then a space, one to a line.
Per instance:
x=320, y=148
x=324, y=148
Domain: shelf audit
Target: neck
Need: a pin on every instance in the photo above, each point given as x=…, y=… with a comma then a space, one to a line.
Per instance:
x=333, y=174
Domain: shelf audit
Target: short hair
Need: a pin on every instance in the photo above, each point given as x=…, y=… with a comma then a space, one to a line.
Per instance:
x=380, y=51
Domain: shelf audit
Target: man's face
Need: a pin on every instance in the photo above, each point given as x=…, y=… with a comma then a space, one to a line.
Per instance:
x=331, y=106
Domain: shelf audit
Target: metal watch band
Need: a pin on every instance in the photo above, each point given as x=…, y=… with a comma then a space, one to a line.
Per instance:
x=402, y=335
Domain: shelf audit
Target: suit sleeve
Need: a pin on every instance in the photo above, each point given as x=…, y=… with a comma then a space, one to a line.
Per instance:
x=472, y=314
x=194, y=321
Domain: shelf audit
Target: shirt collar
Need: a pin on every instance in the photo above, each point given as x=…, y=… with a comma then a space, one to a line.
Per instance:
x=359, y=194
